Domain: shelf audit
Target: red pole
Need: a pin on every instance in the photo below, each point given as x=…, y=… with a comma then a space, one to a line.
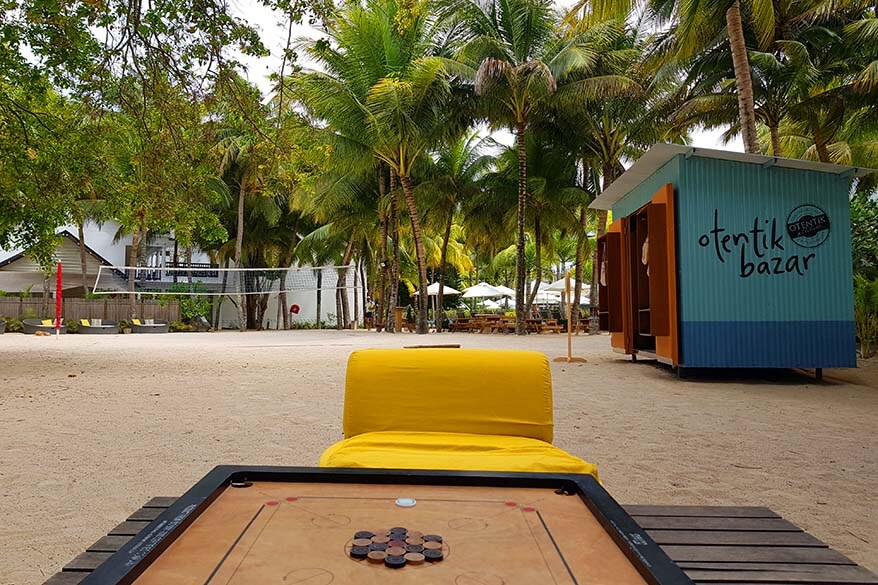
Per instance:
x=58, y=302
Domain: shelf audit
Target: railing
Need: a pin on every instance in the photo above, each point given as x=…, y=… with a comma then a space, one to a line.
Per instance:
x=172, y=270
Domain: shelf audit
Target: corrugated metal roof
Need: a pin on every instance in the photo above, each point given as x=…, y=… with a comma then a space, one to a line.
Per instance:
x=660, y=154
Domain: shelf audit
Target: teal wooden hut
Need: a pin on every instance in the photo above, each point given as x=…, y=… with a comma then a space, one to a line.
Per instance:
x=720, y=259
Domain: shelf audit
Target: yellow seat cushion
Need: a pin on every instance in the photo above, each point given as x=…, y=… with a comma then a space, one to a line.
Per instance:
x=480, y=391
x=452, y=451
x=47, y=322
x=84, y=322
x=135, y=321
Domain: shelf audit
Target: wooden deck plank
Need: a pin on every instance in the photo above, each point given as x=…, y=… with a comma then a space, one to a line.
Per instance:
x=734, y=538
x=66, y=579
x=87, y=561
x=147, y=514
x=128, y=528
x=701, y=511
x=160, y=502
x=810, y=574
x=109, y=543
x=710, y=523
x=756, y=554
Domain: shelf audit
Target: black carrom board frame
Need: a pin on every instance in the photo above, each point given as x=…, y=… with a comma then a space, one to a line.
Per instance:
x=132, y=559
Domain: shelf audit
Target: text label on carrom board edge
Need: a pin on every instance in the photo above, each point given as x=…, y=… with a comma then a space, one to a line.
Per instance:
x=156, y=535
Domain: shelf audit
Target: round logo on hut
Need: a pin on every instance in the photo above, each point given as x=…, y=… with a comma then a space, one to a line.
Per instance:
x=808, y=226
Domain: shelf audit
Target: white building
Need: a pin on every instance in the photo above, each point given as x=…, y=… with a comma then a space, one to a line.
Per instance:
x=18, y=272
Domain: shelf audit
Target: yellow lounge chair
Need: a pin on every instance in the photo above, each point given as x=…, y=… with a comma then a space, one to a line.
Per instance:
x=450, y=409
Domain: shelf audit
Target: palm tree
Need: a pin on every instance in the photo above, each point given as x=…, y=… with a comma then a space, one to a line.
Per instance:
x=698, y=25
x=453, y=178
x=375, y=55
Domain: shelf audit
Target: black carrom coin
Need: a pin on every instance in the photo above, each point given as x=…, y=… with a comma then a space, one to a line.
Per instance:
x=433, y=555
x=399, y=529
x=414, y=548
x=378, y=546
x=432, y=538
x=364, y=534
x=359, y=552
x=394, y=562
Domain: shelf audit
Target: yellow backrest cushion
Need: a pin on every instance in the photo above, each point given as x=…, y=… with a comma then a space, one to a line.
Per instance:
x=479, y=391
x=84, y=322
x=135, y=321
x=47, y=322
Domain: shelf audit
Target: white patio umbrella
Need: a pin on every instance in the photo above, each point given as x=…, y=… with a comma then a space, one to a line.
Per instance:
x=482, y=290
x=507, y=292
x=489, y=304
x=433, y=290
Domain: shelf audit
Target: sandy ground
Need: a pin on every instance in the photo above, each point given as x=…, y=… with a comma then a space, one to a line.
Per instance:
x=91, y=427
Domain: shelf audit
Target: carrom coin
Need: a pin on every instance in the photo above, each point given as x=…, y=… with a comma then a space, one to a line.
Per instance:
x=399, y=529
x=395, y=551
x=433, y=555
x=432, y=538
x=400, y=543
x=394, y=562
x=414, y=558
x=376, y=556
x=378, y=546
x=414, y=534
x=432, y=545
x=364, y=534
x=382, y=539
x=414, y=548
x=361, y=542
x=359, y=552
x=411, y=540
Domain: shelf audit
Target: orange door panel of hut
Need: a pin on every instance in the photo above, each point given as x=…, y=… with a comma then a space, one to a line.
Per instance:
x=637, y=280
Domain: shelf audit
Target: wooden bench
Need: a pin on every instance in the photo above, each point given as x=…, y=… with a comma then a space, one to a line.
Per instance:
x=723, y=545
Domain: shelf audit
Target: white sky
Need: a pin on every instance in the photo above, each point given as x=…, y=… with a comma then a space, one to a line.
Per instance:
x=273, y=31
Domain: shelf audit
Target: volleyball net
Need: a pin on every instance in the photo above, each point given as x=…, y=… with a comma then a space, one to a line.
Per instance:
x=213, y=281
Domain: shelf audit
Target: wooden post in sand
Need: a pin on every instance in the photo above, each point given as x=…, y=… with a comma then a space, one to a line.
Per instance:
x=569, y=358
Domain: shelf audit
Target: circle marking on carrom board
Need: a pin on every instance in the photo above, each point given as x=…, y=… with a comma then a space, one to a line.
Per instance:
x=478, y=579
x=467, y=524
x=808, y=226
x=406, y=502
x=310, y=576
x=330, y=520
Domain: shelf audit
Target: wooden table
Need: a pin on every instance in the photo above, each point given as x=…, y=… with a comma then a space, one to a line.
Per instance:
x=713, y=544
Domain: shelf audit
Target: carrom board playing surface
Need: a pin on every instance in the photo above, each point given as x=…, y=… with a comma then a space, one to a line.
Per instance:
x=264, y=532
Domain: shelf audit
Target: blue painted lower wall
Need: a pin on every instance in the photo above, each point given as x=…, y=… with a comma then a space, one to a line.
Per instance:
x=768, y=344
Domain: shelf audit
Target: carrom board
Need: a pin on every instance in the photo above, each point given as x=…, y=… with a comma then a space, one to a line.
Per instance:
x=264, y=526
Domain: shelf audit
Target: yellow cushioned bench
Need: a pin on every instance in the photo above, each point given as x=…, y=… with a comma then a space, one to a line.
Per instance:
x=450, y=409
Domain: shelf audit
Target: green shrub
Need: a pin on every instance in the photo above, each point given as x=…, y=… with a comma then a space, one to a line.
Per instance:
x=191, y=306
x=72, y=326
x=866, y=314
x=13, y=325
x=26, y=294
x=3, y=293
x=176, y=326
x=123, y=324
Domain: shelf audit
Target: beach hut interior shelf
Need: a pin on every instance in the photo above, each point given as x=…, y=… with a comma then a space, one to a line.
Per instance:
x=724, y=259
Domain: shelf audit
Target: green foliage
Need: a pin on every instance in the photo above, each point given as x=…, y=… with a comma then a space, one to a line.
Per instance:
x=26, y=293
x=177, y=326
x=13, y=325
x=72, y=326
x=191, y=306
x=864, y=236
x=3, y=293
x=866, y=314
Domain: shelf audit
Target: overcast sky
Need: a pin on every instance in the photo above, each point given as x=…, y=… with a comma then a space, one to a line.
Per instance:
x=273, y=33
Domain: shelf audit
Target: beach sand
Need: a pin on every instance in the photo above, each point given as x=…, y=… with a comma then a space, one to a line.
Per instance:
x=92, y=426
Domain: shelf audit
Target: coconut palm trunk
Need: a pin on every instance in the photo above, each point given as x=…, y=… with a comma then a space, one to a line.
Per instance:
x=776, y=148
x=409, y=197
x=132, y=272
x=746, y=107
x=440, y=297
x=344, y=314
x=239, y=245
x=581, y=245
x=393, y=284
x=520, y=276
x=538, y=261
